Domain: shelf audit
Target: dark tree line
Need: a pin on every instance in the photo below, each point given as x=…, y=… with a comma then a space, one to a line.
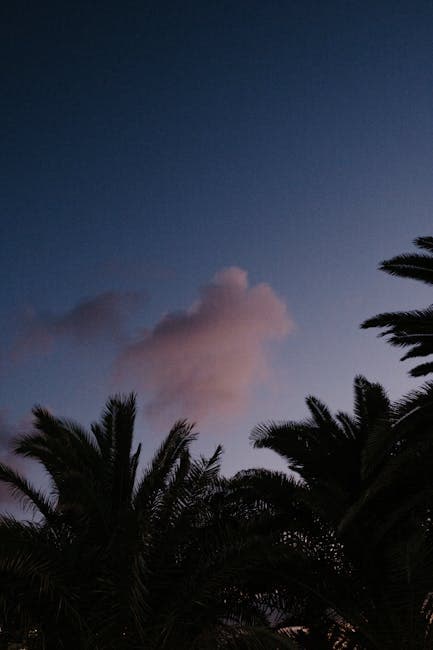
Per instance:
x=175, y=556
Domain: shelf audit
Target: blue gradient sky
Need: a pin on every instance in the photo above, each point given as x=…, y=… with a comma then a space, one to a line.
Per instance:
x=147, y=146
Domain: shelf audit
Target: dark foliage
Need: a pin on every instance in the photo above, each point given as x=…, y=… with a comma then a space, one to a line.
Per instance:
x=172, y=559
x=410, y=329
x=366, y=481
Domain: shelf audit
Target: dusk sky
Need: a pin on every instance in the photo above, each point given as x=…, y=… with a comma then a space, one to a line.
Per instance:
x=195, y=197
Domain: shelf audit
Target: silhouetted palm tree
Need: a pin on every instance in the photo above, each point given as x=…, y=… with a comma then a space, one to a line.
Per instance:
x=411, y=329
x=366, y=480
x=172, y=559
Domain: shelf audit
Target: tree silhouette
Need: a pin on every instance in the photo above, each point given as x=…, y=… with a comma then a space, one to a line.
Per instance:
x=411, y=329
x=366, y=481
x=170, y=559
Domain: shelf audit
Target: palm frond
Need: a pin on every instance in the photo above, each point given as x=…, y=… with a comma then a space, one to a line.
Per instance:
x=164, y=462
x=414, y=266
x=420, y=350
x=320, y=412
x=424, y=242
x=422, y=369
x=123, y=413
x=23, y=489
x=371, y=402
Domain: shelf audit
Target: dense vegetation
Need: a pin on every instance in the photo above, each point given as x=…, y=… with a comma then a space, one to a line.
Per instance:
x=175, y=556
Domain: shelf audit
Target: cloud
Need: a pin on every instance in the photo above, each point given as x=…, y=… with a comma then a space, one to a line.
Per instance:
x=205, y=361
x=102, y=317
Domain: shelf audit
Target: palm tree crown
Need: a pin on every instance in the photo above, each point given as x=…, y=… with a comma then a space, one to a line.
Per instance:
x=374, y=577
x=169, y=559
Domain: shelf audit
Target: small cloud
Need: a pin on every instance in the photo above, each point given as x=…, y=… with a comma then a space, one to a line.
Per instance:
x=204, y=361
x=102, y=317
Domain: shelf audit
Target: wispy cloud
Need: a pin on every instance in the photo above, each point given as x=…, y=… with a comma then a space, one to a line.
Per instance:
x=102, y=317
x=204, y=361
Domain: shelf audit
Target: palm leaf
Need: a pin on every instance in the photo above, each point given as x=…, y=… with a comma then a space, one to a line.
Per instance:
x=32, y=496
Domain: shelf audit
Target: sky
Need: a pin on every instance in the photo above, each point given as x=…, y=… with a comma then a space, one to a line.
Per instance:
x=195, y=197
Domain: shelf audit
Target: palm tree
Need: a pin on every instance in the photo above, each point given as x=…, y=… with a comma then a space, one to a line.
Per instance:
x=410, y=329
x=172, y=559
x=366, y=481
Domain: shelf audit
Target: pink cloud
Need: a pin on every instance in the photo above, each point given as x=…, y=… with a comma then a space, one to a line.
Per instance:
x=204, y=361
x=101, y=317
